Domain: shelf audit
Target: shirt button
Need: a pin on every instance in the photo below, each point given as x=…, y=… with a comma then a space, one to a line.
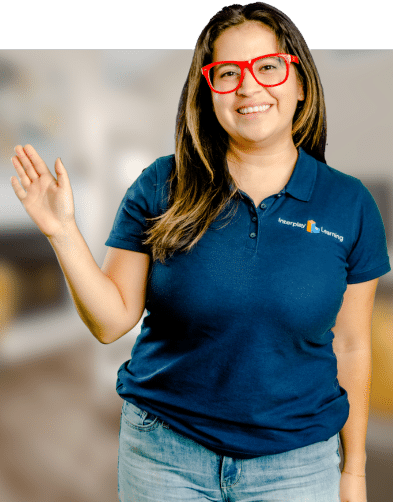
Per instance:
x=254, y=218
x=253, y=235
x=263, y=205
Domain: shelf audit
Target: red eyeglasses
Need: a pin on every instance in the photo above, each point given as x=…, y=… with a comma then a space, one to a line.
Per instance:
x=269, y=70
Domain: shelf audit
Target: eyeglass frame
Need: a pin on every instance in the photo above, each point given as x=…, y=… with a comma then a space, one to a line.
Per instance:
x=288, y=58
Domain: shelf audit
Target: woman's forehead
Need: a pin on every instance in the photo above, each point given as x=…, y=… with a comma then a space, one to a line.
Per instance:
x=245, y=41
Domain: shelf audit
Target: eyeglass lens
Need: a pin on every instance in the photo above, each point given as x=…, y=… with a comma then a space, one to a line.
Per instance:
x=267, y=71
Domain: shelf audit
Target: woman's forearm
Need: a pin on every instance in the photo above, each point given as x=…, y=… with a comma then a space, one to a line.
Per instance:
x=97, y=299
x=354, y=375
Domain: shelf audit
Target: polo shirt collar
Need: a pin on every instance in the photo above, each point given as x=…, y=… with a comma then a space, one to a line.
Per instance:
x=302, y=181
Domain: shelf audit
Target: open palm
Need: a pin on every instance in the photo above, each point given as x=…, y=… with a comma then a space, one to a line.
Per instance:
x=47, y=200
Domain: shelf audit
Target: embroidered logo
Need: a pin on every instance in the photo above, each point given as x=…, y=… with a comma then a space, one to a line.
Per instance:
x=312, y=228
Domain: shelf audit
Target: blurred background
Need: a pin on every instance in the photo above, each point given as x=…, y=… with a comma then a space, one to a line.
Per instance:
x=107, y=117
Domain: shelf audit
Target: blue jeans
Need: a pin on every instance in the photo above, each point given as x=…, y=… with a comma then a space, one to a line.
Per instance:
x=157, y=464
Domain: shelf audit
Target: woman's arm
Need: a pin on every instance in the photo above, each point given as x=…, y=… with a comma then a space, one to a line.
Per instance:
x=352, y=346
x=109, y=301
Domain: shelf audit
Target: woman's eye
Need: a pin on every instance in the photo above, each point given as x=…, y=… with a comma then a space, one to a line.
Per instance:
x=267, y=67
x=270, y=65
x=228, y=74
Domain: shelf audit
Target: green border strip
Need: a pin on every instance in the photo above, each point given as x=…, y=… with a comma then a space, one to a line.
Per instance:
x=175, y=24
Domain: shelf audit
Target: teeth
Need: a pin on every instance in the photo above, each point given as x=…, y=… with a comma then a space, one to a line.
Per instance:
x=253, y=109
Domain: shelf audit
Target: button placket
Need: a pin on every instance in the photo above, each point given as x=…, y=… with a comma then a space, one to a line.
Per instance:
x=253, y=227
x=258, y=219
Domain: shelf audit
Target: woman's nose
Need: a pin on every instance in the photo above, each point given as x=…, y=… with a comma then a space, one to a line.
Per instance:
x=249, y=84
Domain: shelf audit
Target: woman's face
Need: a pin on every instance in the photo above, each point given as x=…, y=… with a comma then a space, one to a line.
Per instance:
x=271, y=126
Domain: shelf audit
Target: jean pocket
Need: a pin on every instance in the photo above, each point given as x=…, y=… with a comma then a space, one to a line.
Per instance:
x=137, y=418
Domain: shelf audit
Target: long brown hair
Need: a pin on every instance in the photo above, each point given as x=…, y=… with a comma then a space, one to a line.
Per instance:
x=200, y=185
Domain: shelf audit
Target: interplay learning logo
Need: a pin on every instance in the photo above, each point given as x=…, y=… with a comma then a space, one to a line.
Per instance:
x=312, y=228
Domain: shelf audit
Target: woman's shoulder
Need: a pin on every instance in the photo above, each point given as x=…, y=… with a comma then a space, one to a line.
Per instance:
x=150, y=190
x=331, y=179
x=161, y=168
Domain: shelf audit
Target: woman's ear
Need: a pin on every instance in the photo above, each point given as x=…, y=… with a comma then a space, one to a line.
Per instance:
x=300, y=85
x=300, y=95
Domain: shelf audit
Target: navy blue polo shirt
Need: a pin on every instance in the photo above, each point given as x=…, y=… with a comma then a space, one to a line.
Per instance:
x=235, y=351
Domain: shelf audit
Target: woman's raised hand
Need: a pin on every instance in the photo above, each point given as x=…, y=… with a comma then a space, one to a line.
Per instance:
x=47, y=200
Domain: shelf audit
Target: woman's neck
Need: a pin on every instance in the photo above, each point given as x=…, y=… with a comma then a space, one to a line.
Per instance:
x=269, y=168
x=281, y=156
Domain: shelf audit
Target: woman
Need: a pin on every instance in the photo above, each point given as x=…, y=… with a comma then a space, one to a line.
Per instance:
x=254, y=260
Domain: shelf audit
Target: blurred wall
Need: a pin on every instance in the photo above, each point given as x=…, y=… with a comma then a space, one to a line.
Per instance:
x=105, y=113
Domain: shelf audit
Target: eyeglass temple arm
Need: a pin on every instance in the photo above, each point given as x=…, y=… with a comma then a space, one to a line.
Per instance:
x=294, y=59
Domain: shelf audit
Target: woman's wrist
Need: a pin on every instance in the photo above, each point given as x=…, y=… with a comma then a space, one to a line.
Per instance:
x=355, y=463
x=64, y=233
x=356, y=466
x=353, y=474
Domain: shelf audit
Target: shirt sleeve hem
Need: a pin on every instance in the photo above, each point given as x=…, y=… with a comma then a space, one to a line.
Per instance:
x=369, y=275
x=129, y=245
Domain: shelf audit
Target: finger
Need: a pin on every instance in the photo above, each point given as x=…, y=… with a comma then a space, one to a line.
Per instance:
x=25, y=163
x=24, y=179
x=20, y=193
x=35, y=160
x=62, y=175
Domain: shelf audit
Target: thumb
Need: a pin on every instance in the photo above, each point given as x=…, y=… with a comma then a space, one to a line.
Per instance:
x=62, y=175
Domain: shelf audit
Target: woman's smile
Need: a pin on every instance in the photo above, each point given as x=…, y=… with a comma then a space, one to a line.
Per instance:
x=253, y=109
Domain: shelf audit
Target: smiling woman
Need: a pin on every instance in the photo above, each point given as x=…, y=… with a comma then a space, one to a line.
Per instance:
x=196, y=201
x=233, y=390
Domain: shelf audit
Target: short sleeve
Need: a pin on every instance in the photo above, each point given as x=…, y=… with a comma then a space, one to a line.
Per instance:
x=369, y=257
x=140, y=203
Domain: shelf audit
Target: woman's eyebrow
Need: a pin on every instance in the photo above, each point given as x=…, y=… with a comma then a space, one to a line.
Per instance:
x=227, y=61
